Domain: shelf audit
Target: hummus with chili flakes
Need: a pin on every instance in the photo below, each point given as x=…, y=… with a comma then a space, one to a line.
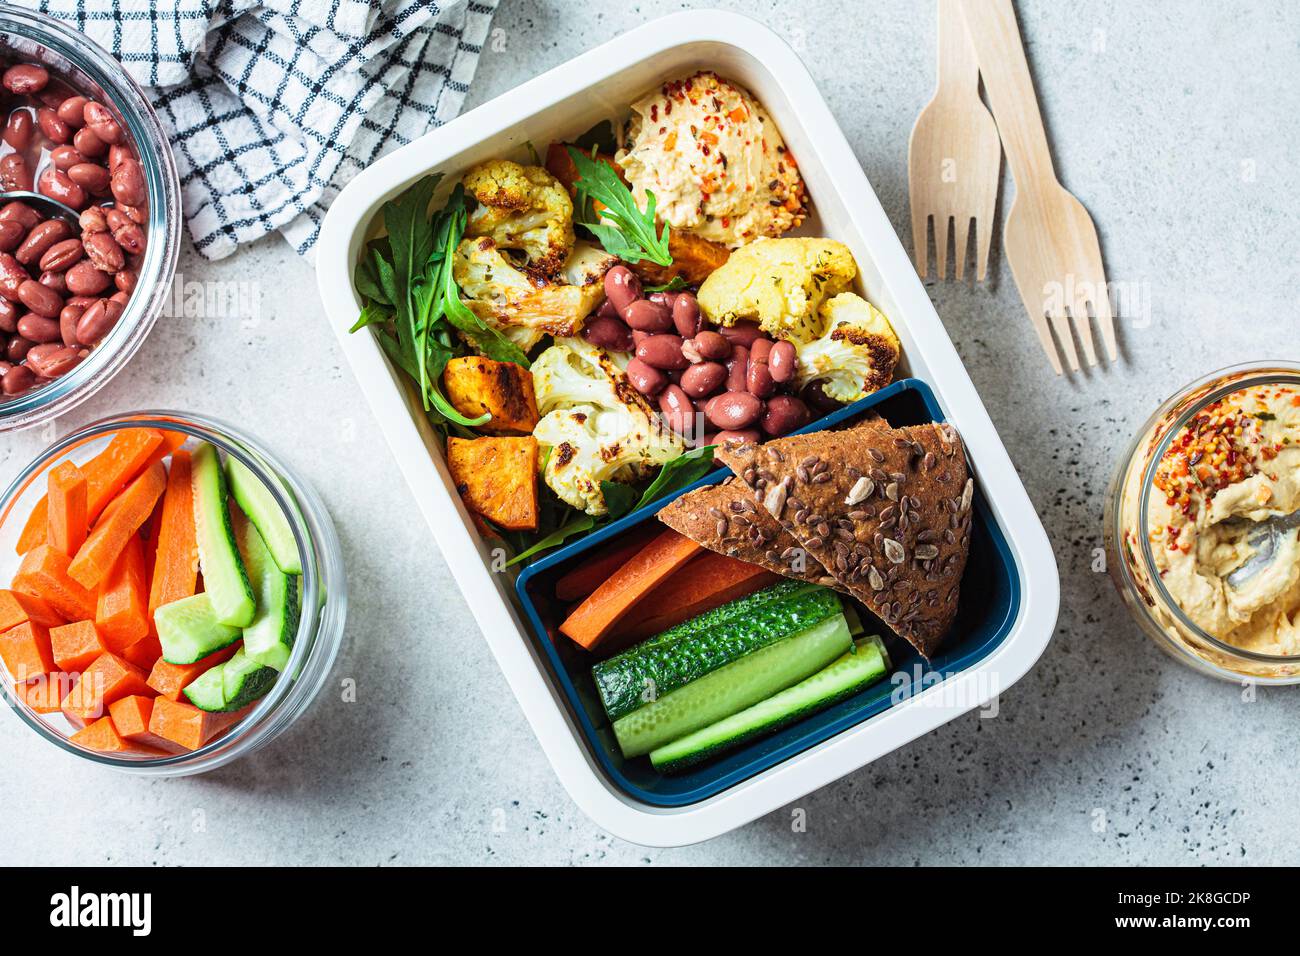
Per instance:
x=714, y=160
x=1236, y=463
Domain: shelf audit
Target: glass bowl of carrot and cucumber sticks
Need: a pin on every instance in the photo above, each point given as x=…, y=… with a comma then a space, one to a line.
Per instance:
x=171, y=594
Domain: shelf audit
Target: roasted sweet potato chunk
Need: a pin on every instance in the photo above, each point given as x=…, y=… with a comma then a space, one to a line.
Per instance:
x=475, y=385
x=497, y=478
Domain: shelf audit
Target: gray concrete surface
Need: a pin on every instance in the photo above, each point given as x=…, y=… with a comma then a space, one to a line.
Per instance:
x=1175, y=125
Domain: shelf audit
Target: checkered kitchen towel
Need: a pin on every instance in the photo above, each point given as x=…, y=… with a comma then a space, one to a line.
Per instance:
x=273, y=105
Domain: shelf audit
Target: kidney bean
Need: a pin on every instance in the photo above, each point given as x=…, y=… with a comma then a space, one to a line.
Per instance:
x=663, y=352
x=100, y=121
x=63, y=255
x=56, y=281
x=12, y=275
x=5, y=366
x=733, y=437
x=11, y=234
x=92, y=220
x=91, y=177
x=646, y=379
x=622, y=287
x=25, y=79
x=116, y=155
x=128, y=184
x=677, y=409
x=137, y=214
x=602, y=331
x=9, y=314
x=19, y=129
x=52, y=359
x=55, y=130
x=38, y=328
x=64, y=158
x=83, y=279
x=785, y=413
x=68, y=319
x=646, y=316
x=759, y=350
x=130, y=237
x=41, y=239
x=126, y=280
x=607, y=310
x=84, y=301
x=783, y=362
x=17, y=380
x=814, y=395
x=686, y=316
x=758, y=380
x=73, y=111
x=742, y=333
x=98, y=320
x=56, y=184
x=19, y=212
x=88, y=144
x=704, y=379
x=737, y=367
x=733, y=410
x=40, y=299
x=712, y=346
x=17, y=349
x=121, y=298
x=15, y=175
x=104, y=252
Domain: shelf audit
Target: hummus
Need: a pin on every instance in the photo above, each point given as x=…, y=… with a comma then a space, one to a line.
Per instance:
x=1236, y=463
x=714, y=160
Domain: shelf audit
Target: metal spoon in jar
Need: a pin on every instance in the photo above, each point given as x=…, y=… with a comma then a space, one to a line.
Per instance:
x=47, y=207
x=1264, y=541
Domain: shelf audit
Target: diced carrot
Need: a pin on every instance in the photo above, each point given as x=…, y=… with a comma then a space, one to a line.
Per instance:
x=101, y=736
x=595, y=617
x=108, y=679
x=26, y=652
x=76, y=645
x=16, y=607
x=170, y=679
x=44, y=573
x=176, y=565
x=595, y=568
x=106, y=474
x=187, y=726
x=131, y=718
x=44, y=694
x=122, y=613
x=144, y=653
x=67, y=508
x=110, y=536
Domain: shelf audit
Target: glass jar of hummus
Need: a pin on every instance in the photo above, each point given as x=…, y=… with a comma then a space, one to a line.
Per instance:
x=1203, y=524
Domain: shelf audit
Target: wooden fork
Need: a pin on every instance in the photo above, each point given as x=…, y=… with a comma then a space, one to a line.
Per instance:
x=954, y=158
x=1049, y=239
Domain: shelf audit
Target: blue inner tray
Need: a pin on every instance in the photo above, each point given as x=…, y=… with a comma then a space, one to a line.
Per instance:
x=990, y=598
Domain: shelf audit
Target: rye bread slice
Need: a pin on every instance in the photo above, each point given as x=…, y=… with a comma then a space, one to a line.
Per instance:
x=886, y=510
x=725, y=518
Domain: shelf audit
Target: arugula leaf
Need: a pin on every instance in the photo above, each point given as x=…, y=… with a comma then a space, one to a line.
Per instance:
x=622, y=228
x=675, y=284
x=619, y=498
x=684, y=470
x=579, y=524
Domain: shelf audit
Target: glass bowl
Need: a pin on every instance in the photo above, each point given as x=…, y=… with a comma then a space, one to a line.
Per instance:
x=1130, y=558
x=92, y=72
x=323, y=602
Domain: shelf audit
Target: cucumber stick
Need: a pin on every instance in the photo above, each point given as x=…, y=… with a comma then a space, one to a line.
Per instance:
x=732, y=688
x=269, y=638
x=224, y=577
x=861, y=667
x=231, y=685
x=189, y=631
x=256, y=501
x=667, y=661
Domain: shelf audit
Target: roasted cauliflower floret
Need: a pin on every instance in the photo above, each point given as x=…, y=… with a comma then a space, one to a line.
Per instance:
x=780, y=284
x=857, y=354
x=595, y=426
x=523, y=208
x=523, y=308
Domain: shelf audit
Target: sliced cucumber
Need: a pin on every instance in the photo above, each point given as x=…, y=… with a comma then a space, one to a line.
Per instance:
x=732, y=688
x=841, y=679
x=667, y=661
x=269, y=639
x=189, y=630
x=224, y=576
x=259, y=504
x=207, y=691
x=232, y=685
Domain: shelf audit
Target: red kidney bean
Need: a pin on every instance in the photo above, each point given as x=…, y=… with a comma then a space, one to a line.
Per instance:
x=84, y=301
x=686, y=316
x=17, y=349
x=646, y=316
x=783, y=362
x=137, y=214
x=58, y=186
x=622, y=287
x=663, y=352
x=19, y=212
x=15, y=175
x=41, y=239
x=128, y=184
x=65, y=157
x=758, y=380
x=607, y=310
x=9, y=314
x=737, y=366
x=93, y=220
x=602, y=331
x=703, y=379
x=126, y=280
x=130, y=237
x=63, y=255
x=121, y=298
x=38, y=328
x=73, y=111
x=19, y=129
x=712, y=346
x=12, y=275
x=646, y=379
x=83, y=279
x=785, y=413
x=91, y=177
x=98, y=320
x=104, y=252
x=677, y=409
x=56, y=281
x=759, y=350
x=25, y=79
x=55, y=130
x=116, y=155
x=88, y=144
x=11, y=234
x=40, y=299
x=733, y=410
x=100, y=121
x=68, y=320
x=814, y=395
x=17, y=380
x=729, y=436
x=742, y=333
x=52, y=360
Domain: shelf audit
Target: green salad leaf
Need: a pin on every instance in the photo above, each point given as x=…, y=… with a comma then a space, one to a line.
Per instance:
x=675, y=284
x=579, y=524
x=622, y=228
x=686, y=469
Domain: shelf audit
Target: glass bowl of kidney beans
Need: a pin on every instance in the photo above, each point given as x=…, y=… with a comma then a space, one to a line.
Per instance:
x=80, y=290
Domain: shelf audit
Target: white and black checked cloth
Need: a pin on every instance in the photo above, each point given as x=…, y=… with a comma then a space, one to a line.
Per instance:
x=273, y=105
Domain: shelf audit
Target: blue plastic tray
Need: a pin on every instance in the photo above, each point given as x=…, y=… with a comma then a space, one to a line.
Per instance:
x=990, y=598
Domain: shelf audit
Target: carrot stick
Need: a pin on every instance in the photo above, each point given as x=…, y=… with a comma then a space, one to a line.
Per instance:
x=16, y=607
x=26, y=651
x=595, y=568
x=122, y=614
x=96, y=557
x=176, y=564
x=595, y=617
x=76, y=645
x=170, y=679
x=44, y=573
x=66, y=525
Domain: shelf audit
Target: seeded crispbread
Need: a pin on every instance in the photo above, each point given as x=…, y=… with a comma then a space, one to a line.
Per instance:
x=886, y=510
x=725, y=518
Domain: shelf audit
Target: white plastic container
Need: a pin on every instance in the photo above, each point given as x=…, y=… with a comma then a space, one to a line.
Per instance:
x=562, y=104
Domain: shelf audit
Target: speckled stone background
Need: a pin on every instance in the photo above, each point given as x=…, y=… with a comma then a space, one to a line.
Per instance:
x=1173, y=123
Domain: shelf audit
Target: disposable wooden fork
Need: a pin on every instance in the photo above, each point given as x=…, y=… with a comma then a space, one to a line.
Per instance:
x=1049, y=239
x=954, y=158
